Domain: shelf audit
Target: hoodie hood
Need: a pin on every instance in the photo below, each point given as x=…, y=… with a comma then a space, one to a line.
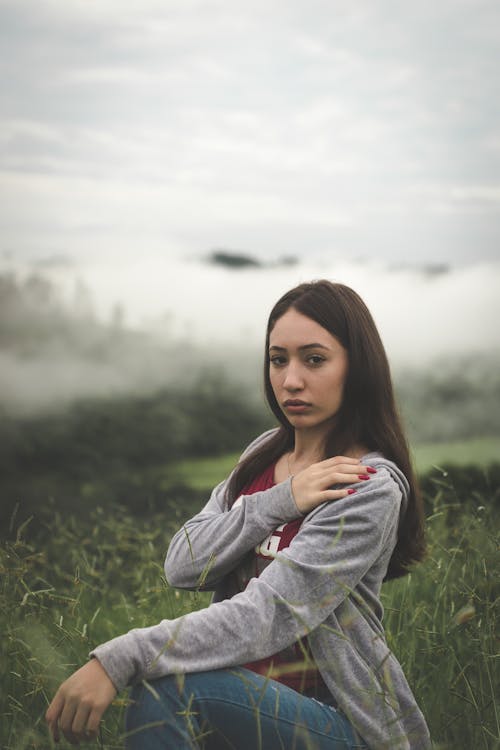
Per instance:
x=377, y=460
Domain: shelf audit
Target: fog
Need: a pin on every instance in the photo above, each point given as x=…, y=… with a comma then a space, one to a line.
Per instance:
x=110, y=328
x=421, y=313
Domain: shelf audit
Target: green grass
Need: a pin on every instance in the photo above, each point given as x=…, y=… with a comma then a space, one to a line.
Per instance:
x=205, y=473
x=477, y=451
x=83, y=582
x=82, y=585
x=442, y=623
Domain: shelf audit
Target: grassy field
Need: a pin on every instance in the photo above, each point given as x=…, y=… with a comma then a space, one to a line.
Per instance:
x=86, y=581
x=477, y=451
x=205, y=473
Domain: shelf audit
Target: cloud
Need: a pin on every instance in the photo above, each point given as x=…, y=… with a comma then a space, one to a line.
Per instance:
x=355, y=125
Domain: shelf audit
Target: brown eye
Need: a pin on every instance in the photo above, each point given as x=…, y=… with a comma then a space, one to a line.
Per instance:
x=315, y=360
x=277, y=361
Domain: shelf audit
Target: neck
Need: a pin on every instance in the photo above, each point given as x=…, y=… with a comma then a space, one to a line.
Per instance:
x=309, y=445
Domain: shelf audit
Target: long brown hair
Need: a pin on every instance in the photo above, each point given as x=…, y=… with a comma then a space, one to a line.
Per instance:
x=368, y=415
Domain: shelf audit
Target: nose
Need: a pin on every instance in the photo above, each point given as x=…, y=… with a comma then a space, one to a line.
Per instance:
x=293, y=380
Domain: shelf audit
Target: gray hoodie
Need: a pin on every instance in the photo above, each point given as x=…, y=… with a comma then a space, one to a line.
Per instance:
x=325, y=586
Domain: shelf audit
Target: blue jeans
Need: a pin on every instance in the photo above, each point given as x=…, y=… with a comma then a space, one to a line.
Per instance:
x=233, y=709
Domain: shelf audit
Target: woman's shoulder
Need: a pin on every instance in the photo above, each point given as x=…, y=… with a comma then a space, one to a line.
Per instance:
x=389, y=481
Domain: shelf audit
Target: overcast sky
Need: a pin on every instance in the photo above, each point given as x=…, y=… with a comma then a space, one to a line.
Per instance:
x=353, y=128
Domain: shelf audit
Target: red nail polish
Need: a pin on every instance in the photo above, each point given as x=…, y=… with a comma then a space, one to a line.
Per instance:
x=363, y=476
x=371, y=470
x=351, y=492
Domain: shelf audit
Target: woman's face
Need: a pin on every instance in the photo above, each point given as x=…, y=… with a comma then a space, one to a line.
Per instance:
x=308, y=367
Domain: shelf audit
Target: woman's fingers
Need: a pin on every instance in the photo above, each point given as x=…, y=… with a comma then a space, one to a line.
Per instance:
x=345, y=465
x=328, y=495
x=341, y=464
x=337, y=477
x=344, y=473
x=312, y=486
x=93, y=722
x=333, y=479
x=80, y=726
x=80, y=702
x=52, y=716
x=72, y=720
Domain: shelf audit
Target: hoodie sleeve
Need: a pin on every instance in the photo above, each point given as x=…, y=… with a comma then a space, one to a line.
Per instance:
x=212, y=543
x=335, y=547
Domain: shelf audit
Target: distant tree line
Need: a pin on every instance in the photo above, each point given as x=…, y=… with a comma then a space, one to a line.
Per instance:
x=454, y=400
x=102, y=451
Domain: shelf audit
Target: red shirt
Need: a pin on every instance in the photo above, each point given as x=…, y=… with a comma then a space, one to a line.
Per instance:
x=293, y=666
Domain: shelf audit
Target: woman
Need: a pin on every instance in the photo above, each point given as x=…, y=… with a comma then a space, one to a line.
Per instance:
x=295, y=544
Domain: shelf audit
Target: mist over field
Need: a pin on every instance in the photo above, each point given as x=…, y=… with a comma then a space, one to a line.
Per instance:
x=105, y=329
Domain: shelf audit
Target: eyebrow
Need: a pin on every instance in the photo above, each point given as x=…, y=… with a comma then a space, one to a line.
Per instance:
x=301, y=348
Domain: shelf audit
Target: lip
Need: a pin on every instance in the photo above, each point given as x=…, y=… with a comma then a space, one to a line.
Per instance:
x=295, y=405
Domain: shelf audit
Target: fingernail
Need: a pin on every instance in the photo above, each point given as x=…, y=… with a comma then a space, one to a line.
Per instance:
x=351, y=492
x=371, y=470
x=363, y=476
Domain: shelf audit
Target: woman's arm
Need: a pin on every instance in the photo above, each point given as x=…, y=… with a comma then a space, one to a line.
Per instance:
x=333, y=550
x=197, y=556
x=212, y=543
x=335, y=547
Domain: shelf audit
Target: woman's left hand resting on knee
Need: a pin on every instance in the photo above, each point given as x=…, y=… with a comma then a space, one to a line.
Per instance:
x=77, y=707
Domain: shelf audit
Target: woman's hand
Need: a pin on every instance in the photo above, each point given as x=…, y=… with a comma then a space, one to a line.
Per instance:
x=310, y=487
x=80, y=702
